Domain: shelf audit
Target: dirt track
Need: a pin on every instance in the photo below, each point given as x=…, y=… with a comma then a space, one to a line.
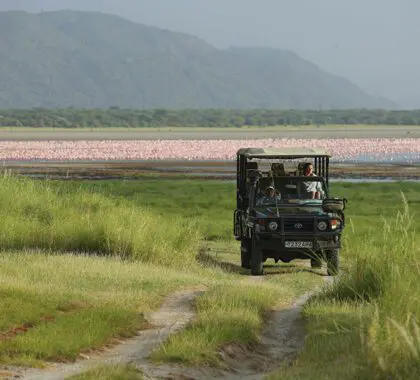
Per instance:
x=303, y=133
x=281, y=340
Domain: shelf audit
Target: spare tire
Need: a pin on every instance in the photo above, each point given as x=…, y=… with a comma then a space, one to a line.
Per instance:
x=333, y=205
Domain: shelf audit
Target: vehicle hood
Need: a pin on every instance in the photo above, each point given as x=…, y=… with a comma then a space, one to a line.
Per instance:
x=270, y=212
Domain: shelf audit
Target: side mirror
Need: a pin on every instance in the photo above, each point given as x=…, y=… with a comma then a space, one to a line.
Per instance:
x=334, y=204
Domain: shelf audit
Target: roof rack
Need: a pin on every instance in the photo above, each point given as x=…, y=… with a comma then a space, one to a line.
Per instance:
x=287, y=153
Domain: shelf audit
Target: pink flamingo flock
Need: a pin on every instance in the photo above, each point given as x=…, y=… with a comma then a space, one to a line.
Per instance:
x=108, y=150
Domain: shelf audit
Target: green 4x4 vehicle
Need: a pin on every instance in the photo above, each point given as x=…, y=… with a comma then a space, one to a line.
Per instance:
x=284, y=210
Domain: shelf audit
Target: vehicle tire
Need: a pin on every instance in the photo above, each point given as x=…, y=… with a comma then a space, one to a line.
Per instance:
x=257, y=264
x=333, y=262
x=246, y=253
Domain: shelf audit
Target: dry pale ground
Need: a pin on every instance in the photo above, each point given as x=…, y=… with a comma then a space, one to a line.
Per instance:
x=206, y=134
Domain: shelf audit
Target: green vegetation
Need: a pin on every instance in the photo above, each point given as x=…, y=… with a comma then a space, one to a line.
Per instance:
x=94, y=60
x=233, y=316
x=35, y=217
x=57, y=296
x=207, y=204
x=165, y=119
x=117, y=372
x=50, y=298
x=380, y=277
x=365, y=325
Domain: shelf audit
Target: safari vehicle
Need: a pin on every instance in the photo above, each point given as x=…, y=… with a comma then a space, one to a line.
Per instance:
x=296, y=223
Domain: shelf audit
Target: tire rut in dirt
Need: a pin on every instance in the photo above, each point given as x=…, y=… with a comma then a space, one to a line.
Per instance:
x=281, y=340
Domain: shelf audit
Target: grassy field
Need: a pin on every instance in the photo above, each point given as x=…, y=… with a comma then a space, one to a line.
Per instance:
x=34, y=216
x=365, y=326
x=103, y=253
x=82, y=262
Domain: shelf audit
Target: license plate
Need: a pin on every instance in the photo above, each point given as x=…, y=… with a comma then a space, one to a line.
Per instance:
x=298, y=244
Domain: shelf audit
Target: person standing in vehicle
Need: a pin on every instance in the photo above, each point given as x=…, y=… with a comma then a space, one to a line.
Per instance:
x=312, y=188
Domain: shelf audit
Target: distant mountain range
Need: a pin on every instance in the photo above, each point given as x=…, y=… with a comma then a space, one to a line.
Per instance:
x=96, y=60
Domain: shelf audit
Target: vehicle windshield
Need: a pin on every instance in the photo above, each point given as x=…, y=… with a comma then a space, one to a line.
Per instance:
x=290, y=190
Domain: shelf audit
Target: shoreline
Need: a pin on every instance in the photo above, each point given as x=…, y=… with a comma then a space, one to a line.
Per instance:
x=191, y=169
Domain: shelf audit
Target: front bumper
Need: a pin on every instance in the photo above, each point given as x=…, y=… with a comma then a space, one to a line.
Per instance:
x=319, y=241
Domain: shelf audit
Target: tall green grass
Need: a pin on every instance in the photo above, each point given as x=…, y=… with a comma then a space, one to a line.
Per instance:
x=386, y=272
x=365, y=325
x=208, y=203
x=36, y=215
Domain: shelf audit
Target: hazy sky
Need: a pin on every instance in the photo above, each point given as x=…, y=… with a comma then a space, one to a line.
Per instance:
x=374, y=43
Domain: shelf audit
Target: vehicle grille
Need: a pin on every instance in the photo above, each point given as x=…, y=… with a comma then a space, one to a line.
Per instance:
x=298, y=225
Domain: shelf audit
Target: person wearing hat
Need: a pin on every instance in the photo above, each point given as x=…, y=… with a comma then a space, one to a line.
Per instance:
x=270, y=196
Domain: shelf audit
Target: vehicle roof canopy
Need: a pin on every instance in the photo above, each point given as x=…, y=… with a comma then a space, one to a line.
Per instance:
x=288, y=153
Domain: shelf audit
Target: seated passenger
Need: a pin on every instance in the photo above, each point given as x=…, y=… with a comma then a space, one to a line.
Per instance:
x=269, y=196
x=312, y=189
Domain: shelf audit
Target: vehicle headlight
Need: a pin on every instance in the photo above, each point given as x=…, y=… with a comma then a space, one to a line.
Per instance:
x=335, y=224
x=273, y=226
x=322, y=226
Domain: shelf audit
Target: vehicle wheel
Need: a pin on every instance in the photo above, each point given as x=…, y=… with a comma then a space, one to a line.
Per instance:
x=257, y=264
x=246, y=254
x=333, y=262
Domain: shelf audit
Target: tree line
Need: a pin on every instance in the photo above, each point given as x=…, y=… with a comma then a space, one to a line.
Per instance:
x=136, y=118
